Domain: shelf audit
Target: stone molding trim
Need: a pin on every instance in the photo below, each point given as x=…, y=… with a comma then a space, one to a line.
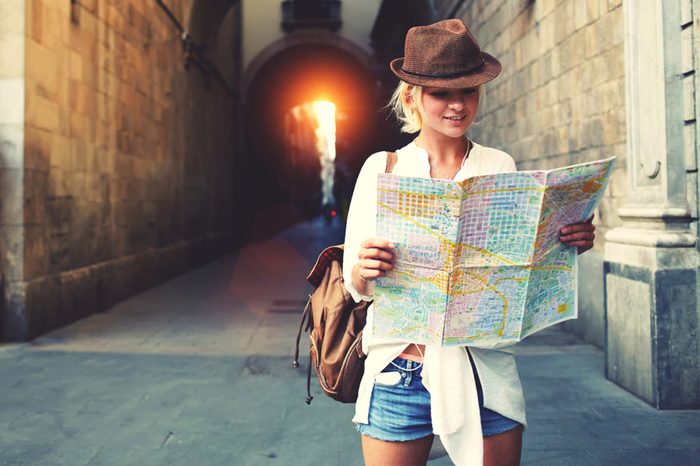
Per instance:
x=661, y=227
x=664, y=213
x=652, y=238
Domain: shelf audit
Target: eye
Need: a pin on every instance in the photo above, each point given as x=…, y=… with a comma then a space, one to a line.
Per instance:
x=470, y=90
x=439, y=94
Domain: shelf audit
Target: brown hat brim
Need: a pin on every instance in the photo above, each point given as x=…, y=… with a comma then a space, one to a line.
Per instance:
x=490, y=69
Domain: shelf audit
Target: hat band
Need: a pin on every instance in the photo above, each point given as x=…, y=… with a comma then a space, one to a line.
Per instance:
x=447, y=75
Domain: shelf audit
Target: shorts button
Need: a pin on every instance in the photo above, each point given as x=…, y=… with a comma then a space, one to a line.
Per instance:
x=403, y=375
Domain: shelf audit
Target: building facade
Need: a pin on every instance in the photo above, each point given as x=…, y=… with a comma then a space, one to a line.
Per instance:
x=585, y=80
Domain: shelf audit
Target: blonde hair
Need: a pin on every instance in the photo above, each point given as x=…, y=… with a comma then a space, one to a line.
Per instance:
x=408, y=116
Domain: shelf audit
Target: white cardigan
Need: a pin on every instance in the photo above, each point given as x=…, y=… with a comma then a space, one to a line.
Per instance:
x=447, y=372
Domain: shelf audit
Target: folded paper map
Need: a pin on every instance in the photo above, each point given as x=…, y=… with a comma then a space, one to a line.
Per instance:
x=479, y=261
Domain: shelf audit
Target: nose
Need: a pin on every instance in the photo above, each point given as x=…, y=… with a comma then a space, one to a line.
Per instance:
x=456, y=100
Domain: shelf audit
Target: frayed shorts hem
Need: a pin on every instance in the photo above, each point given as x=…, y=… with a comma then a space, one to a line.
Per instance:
x=493, y=431
x=365, y=430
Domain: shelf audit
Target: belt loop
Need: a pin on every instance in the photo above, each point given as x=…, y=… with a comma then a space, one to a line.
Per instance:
x=409, y=373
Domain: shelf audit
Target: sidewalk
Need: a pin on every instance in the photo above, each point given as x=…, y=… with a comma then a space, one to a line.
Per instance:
x=196, y=372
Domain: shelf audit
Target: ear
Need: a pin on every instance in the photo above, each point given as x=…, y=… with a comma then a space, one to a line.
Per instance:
x=407, y=97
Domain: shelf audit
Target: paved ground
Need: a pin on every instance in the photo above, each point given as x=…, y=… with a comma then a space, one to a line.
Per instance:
x=196, y=372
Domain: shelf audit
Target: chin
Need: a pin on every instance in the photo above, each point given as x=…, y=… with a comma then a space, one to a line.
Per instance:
x=456, y=134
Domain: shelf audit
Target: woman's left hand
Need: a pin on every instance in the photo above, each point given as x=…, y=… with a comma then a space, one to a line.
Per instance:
x=580, y=235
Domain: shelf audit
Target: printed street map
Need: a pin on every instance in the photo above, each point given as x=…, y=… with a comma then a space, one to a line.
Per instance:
x=479, y=262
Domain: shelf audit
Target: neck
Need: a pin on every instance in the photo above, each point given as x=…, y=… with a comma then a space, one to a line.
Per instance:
x=443, y=149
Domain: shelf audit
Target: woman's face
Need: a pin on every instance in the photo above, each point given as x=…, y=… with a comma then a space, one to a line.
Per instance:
x=448, y=112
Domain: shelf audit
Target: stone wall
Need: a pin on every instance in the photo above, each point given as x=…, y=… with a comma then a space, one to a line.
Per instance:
x=691, y=40
x=688, y=322
x=12, y=31
x=559, y=100
x=128, y=158
x=689, y=23
x=654, y=252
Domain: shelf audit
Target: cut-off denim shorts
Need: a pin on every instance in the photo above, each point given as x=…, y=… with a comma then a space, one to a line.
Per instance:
x=400, y=406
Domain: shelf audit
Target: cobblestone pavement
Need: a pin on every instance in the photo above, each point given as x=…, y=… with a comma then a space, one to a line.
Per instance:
x=196, y=372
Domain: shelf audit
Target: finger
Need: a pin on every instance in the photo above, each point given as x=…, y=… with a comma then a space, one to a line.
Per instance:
x=581, y=235
x=375, y=242
x=375, y=253
x=370, y=274
x=575, y=227
x=371, y=264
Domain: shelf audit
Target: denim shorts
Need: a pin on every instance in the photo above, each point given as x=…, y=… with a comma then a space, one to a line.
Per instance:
x=400, y=407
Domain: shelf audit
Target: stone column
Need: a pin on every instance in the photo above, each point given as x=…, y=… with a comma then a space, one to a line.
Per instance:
x=12, y=105
x=651, y=261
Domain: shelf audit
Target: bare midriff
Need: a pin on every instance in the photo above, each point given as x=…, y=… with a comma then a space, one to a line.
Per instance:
x=414, y=350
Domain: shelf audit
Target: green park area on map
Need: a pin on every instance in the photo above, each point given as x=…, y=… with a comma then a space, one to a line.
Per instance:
x=479, y=261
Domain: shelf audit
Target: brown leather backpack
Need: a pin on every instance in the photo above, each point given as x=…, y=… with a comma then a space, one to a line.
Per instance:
x=335, y=322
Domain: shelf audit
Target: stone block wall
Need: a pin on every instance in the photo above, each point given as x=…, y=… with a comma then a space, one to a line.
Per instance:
x=560, y=100
x=128, y=158
x=689, y=55
x=12, y=32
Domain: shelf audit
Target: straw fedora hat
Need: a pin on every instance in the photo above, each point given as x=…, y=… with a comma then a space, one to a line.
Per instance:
x=444, y=54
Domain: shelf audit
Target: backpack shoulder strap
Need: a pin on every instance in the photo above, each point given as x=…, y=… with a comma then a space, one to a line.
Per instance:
x=330, y=254
x=390, y=161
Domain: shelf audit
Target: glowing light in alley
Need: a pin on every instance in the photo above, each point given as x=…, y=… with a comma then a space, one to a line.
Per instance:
x=325, y=142
x=325, y=117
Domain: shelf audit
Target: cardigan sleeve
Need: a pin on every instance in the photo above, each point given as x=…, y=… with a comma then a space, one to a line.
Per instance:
x=361, y=222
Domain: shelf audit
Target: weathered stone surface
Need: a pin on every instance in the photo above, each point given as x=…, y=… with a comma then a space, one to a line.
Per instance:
x=651, y=343
x=93, y=168
x=11, y=146
x=676, y=327
x=14, y=320
x=629, y=356
x=11, y=101
x=12, y=254
x=591, y=324
x=12, y=203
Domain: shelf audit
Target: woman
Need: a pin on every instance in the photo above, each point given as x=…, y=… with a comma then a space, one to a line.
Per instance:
x=471, y=397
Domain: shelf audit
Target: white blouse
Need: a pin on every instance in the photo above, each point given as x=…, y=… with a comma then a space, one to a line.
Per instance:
x=447, y=371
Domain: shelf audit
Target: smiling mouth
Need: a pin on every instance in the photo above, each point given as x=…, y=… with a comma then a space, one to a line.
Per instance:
x=455, y=118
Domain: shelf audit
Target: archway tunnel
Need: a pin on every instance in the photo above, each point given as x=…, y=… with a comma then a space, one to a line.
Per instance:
x=282, y=164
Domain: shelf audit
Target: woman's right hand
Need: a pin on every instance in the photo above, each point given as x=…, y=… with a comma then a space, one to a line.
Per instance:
x=377, y=257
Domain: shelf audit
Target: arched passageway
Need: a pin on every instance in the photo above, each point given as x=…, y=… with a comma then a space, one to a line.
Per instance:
x=296, y=75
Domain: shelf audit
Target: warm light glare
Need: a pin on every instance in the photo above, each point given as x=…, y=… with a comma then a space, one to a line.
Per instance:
x=325, y=140
x=325, y=117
